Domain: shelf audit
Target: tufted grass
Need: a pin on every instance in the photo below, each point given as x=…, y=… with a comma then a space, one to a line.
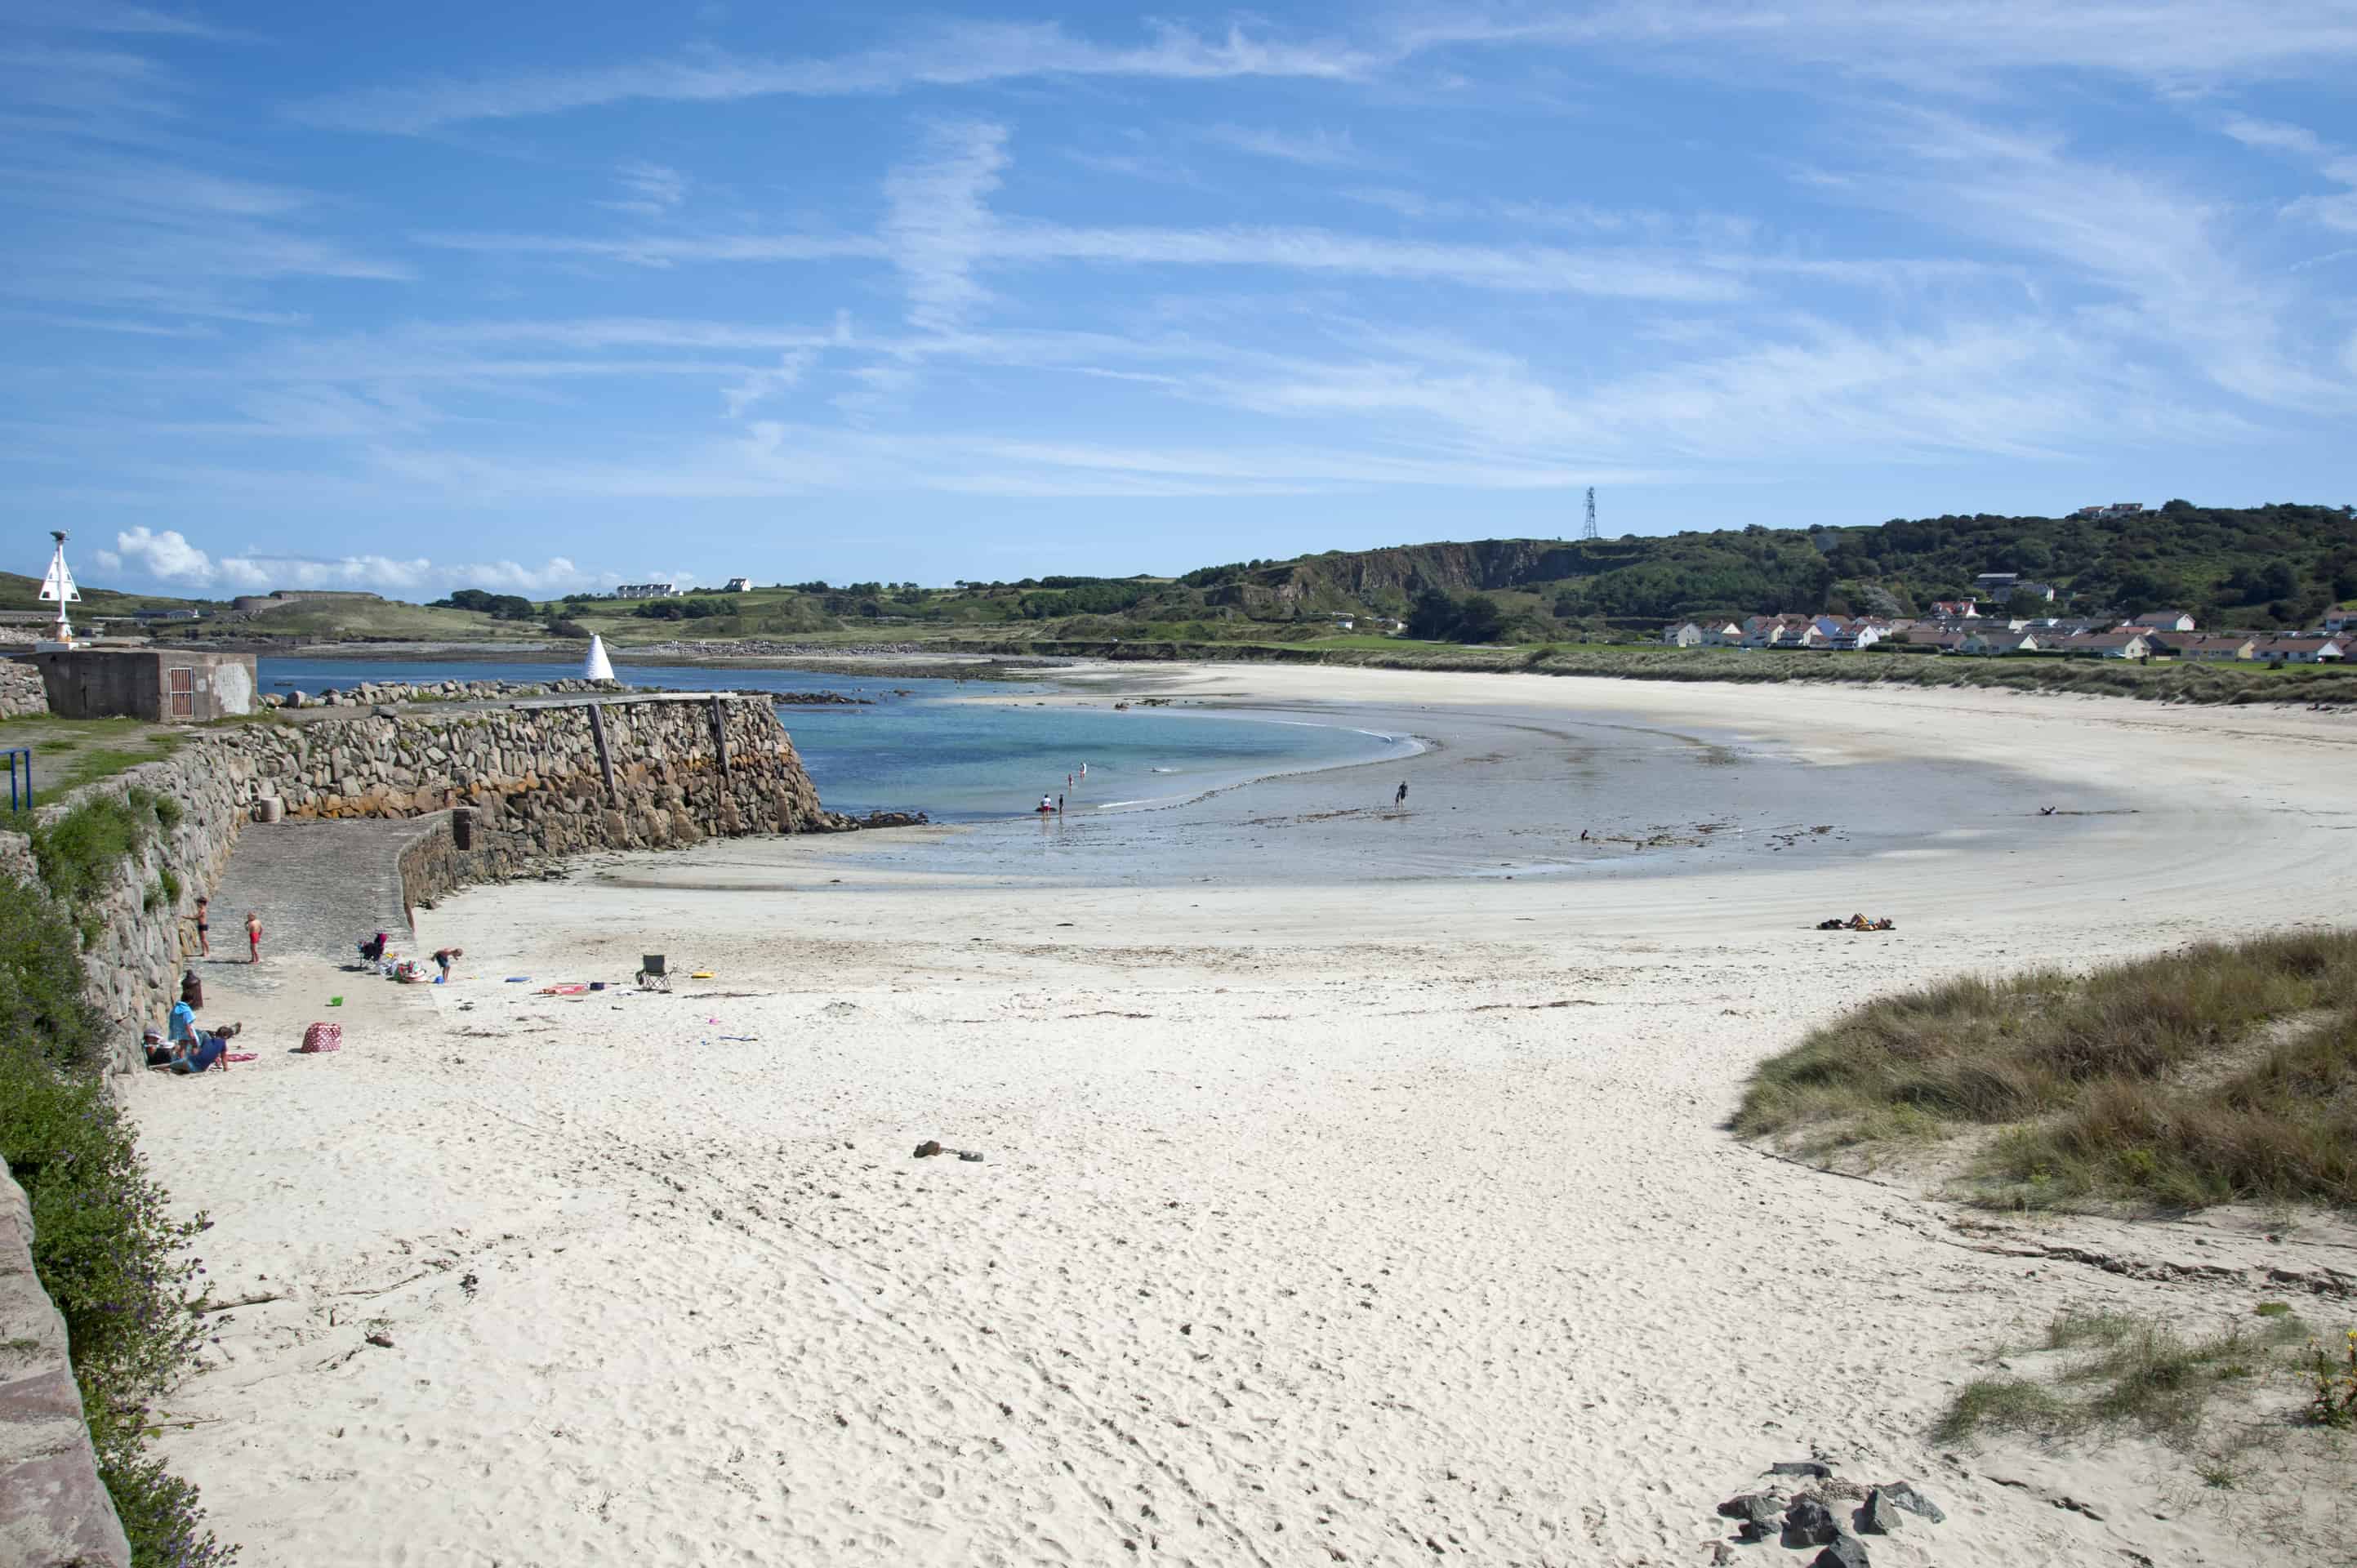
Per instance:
x=2220, y=1073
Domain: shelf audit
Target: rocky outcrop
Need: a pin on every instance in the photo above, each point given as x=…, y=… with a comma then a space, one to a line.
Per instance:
x=54, y=1510
x=22, y=695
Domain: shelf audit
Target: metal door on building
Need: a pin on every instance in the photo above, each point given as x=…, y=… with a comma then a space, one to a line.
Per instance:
x=183, y=690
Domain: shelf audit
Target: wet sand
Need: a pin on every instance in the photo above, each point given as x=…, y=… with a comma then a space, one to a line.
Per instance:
x=1345, y=1207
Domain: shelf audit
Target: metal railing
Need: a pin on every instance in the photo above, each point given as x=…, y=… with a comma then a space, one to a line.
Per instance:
x=20, y=761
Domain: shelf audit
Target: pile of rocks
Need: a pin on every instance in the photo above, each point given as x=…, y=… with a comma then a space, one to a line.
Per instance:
x=1824, y=1511
x=368, y=693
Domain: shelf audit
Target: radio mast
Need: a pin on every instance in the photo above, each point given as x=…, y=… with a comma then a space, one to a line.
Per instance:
x=1589, y=531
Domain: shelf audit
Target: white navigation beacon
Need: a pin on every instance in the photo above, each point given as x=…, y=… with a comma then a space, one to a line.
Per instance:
x=58, y=588
x=596, y=667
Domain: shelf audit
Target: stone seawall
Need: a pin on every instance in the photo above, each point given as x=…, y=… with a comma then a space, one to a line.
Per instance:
x=22, y=695
x=54, y=1510
x=647, y=772
x=146, y=917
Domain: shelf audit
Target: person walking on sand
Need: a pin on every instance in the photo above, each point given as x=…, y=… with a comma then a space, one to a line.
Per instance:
x=1401, y=799
x=204, y=929
x=253, y=936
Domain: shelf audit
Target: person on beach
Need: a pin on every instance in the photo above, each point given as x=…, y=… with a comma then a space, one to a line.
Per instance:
x=442, y=958
x=1059, y=805
x=1045, y=806
x=1401, y=799
x=204, y=929
x=253, y=936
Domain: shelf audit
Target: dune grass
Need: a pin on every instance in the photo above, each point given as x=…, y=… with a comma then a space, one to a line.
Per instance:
x=2217, y=1073
x=2127, y=1371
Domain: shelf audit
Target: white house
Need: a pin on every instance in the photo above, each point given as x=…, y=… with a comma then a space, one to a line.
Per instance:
x=1992, y=639
x=2108, y=644
x=645, y=591
x=1686, y=634
x=2215, y=650
x=2166, y=620
x=1956, y=609
x=737, y=585
x=2301, y=651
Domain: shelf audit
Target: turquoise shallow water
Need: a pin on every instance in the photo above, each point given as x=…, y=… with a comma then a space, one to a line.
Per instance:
x=961, y=751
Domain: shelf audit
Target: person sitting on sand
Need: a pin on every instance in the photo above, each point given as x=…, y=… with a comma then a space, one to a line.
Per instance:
x=193, y=1057
x=372, y=950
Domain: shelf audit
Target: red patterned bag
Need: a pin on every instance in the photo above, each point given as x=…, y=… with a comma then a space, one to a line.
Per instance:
x=323, y=1037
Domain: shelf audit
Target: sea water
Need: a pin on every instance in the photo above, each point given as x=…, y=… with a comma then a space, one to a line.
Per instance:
x=958, y=750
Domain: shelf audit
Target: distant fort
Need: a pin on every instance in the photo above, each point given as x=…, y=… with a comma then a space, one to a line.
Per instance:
x=279, y=598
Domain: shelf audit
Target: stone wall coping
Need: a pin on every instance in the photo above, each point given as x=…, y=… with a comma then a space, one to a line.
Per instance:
x=54, y=1510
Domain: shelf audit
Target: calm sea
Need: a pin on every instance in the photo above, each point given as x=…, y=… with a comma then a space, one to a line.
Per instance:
x=959, y=750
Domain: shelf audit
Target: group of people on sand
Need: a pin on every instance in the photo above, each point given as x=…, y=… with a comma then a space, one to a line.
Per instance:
x=182, y=1047
x=205, y=932
x=1053, y=805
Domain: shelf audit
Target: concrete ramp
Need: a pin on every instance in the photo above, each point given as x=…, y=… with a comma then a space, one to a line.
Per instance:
x=319, y=886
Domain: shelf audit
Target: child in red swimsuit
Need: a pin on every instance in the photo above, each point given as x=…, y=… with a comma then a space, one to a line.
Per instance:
x=253, y=936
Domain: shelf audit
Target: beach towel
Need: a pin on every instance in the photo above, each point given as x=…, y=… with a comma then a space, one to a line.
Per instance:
x=239, y=1057
x=321, y=1037
x=576, y=989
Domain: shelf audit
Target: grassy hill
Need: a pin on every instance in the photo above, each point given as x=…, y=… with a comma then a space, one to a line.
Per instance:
x=2256, y=567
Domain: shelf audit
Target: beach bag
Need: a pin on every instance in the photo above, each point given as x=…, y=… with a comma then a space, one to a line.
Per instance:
x=321, y=1037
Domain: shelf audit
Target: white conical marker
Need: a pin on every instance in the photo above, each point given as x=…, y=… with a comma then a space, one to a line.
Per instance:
x=596, y=667
x=59, y=588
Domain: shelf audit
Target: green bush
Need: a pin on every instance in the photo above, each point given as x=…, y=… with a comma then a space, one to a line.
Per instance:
x=105, y=1246
x=78, y=852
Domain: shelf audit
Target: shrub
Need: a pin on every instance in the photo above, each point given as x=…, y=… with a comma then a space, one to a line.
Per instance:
x=105, y=1246
x=78, y=852
x=167, y=810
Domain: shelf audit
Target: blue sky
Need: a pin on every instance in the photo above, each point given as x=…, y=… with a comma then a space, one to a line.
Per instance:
x=539, y=297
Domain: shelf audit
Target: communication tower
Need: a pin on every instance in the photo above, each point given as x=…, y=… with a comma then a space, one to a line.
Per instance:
x=1588, y=531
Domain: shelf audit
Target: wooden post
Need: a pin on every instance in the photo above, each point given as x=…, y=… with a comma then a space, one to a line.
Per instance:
x=719, y=736
x=597, y=734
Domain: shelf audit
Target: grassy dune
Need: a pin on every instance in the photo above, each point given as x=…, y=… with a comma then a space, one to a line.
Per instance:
x=2216, y=1074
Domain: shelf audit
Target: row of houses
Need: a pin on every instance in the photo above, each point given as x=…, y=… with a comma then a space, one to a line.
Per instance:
x=2163, y=634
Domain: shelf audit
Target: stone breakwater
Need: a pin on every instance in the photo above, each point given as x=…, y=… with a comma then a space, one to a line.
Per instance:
x=368, y=693
x=639, y=772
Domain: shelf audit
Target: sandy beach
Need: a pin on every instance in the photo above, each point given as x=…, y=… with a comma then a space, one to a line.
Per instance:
x=1338, y=1203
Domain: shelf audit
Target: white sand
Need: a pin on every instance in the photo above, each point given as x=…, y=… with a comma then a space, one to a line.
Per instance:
x=1308, y=1232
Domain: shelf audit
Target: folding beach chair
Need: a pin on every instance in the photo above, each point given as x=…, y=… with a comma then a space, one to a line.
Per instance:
x=651, y=976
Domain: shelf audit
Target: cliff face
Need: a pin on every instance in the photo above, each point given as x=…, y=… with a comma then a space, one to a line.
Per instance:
x=1395, y=576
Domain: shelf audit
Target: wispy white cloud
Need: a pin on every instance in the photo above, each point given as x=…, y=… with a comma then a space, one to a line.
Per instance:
x=2333, y=210
x=652, y=190
x=967, y=54
x=759, y=386
x=939, y=220
x=1318, y=148
x=100, y=16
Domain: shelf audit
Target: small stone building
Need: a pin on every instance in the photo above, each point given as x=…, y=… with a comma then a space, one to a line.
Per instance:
x=162, y=686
